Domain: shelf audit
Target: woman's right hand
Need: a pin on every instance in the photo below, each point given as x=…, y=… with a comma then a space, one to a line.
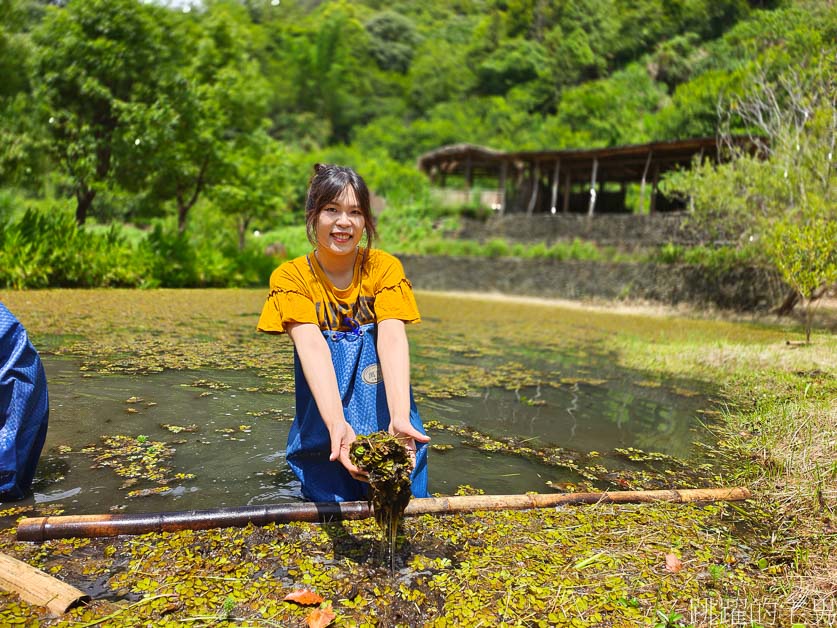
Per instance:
x=342, y=436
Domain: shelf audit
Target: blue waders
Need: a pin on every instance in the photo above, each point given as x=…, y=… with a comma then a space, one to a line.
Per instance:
x=24, y=408
x=355, y=359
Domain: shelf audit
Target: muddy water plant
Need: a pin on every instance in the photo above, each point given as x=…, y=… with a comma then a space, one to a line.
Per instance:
x=389, y=465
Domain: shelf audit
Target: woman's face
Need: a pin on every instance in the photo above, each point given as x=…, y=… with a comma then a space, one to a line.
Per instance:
x=340, y=224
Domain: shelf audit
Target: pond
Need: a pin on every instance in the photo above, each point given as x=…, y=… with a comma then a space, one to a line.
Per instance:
x=518, y=397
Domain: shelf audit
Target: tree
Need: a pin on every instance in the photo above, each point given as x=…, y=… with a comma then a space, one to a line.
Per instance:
x=438, y=74
x=393, y=40
x=779, y=186
x=95, y=61
x=806, y=256
x=186, y=142
x=20, y=133
x=329, y=64
x=257, y=184
x=612, y=111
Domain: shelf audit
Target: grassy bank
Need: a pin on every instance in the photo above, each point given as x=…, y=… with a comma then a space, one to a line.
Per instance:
x=767, y=562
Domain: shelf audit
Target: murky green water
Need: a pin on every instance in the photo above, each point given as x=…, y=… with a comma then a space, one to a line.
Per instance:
x=580, y=402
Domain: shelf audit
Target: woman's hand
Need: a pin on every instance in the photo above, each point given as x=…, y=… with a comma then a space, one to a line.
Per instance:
x=408, y=435
x=342, y=436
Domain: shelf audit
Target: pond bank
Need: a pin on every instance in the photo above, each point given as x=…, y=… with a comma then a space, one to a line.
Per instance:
x=742, y=288
x=769, y=561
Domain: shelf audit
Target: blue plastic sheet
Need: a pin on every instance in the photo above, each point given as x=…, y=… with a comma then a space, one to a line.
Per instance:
x=355, y=360
x=24, y=408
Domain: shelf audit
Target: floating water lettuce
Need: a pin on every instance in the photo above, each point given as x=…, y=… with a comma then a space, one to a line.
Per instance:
x=389, y=466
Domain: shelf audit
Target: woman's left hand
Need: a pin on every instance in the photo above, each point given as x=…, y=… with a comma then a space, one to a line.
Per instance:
x=408, y=435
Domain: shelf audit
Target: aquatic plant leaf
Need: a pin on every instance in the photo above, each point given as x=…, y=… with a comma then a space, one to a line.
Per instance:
x=673, y=564
x=303, y=597
x=320, y=617
x=389, y=466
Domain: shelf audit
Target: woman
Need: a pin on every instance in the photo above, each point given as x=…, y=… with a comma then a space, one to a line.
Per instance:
x=344, y=307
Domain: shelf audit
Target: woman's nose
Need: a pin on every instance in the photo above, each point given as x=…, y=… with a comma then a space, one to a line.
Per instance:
x=343, y=218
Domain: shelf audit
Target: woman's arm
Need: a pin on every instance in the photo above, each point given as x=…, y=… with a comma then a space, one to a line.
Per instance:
x=316, y=363
x=394, y=353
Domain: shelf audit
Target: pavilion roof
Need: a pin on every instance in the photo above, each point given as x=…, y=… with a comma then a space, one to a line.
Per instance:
x=620, y=163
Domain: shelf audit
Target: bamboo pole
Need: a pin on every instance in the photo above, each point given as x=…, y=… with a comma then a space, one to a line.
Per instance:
x=556, y=175
x=91, y=526
x=592, y=206
x=642, y=184
x=536, y=175
x=37, y=587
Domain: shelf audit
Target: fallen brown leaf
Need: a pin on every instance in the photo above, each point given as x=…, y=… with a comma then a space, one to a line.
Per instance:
x=673, y=564
x=303, y=597
x=320, y=617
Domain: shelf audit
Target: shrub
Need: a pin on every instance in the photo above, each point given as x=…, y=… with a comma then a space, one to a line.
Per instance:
x=47, y=248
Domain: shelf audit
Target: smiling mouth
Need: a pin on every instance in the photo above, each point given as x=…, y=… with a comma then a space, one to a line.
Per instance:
x=341, y=237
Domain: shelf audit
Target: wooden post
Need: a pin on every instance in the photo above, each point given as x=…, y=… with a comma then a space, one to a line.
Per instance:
x=654, y=183
x=504, y=173
x=591, y=208
x=556, y=174
x=468, y=179
x=568, y=183
x=37, y=587
x=642, y=185
x=535, y=184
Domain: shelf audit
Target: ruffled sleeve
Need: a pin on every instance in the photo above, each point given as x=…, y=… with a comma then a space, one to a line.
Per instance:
x=289, y=301
x=394, y=296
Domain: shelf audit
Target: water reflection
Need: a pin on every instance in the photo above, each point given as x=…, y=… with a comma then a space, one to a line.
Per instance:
x=237, y=451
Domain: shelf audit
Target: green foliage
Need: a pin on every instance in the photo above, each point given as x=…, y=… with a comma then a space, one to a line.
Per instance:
x=611, y=110
x=675, y=60
x=174, y=260
x=713, y=258
x=257, y=183
x=393, y=39
x=514, y=62
x=47, y=248
x=805, y=253
x=785, y=196
x=438, y=74
x=140, y=112
x=95, y=62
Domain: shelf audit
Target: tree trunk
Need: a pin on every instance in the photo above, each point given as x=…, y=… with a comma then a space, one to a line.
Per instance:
x=84, y=198
x=183, y=206
x=243, y=224
x=182, y=212
x=787, y=305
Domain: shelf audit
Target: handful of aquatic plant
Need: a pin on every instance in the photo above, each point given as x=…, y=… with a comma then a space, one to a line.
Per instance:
x=388, y=464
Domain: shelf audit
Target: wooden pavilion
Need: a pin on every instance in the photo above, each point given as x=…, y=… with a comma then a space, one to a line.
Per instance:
x=551, y=181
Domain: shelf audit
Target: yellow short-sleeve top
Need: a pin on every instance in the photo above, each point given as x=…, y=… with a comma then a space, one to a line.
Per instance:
x=300, y=292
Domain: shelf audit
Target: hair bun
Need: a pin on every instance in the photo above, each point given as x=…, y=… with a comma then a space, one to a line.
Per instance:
x=320, y=168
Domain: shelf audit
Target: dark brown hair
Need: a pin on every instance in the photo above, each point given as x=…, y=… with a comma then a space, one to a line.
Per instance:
x=326, y=184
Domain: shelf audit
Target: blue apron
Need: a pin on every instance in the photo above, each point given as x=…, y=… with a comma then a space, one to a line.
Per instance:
x=355, y=358
x=24, y=408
